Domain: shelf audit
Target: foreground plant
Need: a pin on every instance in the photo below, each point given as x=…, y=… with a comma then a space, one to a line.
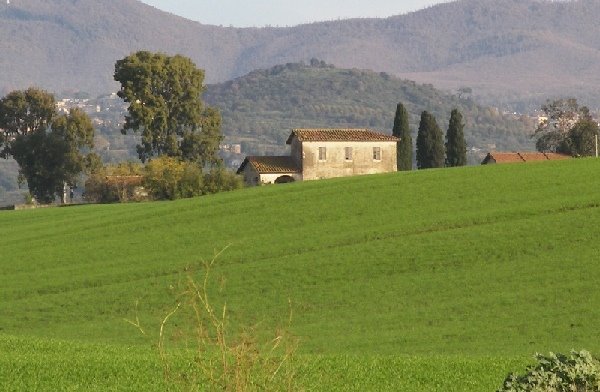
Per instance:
x=578, y=372
x=214, y=357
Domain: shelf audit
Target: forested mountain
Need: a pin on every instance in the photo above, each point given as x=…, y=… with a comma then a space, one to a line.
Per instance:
x=260, y=108
x=505, y=50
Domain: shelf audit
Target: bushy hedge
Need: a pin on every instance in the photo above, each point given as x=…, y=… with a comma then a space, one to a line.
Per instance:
x=163, y=178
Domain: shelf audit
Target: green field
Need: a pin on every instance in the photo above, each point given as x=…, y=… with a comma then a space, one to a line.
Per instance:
x=437, y=280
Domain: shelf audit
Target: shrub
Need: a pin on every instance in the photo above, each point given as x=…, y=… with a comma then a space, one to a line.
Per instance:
x=191, y=183
x=579, y=372
x=221, y=180
x=118, y=183
x=162, y=177
x=171, y=178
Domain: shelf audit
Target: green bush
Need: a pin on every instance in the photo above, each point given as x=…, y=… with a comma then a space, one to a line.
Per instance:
x=579, y=372
x=170, y=178
x=221, y=180
x=162, y=177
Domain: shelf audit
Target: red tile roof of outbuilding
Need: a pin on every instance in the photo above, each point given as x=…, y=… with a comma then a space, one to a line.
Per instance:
x=512, y=157
x=271, y=164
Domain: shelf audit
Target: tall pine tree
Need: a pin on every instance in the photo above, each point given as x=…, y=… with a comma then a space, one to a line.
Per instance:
x=456, y=147
x=430, y=143
x=402, y=131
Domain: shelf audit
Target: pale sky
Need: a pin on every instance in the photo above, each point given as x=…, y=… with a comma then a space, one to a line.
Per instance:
x=258, y=13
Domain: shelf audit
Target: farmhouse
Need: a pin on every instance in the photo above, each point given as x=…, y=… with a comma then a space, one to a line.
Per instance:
x=324, y=153
x=520, y=157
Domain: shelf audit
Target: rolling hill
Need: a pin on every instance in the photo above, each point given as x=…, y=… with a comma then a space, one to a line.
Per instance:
x=472, y=268
x=510, y=51
x=260, y=109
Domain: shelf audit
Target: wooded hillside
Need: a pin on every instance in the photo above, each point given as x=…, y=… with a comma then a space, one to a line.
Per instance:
x=261, y=108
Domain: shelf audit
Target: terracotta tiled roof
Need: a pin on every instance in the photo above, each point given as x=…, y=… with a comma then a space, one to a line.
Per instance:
x=271, y=164
x=511, y=157
x=340, y=135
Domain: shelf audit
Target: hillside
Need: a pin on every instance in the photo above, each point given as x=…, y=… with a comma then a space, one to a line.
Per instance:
x=450, y=260
x=413, y=279
x=260, y=109
x=508, y=51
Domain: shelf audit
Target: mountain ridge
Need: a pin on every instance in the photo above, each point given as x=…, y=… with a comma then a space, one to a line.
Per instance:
x=506, y=50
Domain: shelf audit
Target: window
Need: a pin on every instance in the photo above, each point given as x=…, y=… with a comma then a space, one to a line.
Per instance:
x=377, y=153
x=348, y=153
x=322, y=153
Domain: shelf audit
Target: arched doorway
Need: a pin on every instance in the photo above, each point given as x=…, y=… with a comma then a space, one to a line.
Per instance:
x=284, y=179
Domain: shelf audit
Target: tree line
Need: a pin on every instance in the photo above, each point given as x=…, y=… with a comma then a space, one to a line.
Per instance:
x=431, y=150
x=164, y=97
x=180, y=136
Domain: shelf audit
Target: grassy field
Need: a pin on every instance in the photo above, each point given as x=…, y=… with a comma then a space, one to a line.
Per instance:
x=31, y=364
x=404, y=280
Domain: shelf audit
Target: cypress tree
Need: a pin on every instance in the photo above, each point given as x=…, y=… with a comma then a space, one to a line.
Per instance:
x=430, y=143
x=456, y=147
x=402, y=131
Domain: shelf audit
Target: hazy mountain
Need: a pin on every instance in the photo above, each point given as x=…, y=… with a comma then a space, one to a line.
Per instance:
x=506, y=48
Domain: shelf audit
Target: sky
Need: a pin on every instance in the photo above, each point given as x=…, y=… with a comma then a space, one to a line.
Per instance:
x=259, y=13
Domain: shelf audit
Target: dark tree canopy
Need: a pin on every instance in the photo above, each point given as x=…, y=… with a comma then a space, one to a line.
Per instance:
x=581, y=139
x=456, y=146
x=49, y=148
x=40, y=156
x=23, y=112
x=402, y=131
x=560, y=116
x=165, y=105
x=430, y=143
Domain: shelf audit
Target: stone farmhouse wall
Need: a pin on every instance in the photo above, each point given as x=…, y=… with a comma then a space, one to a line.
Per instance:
x=340, y=159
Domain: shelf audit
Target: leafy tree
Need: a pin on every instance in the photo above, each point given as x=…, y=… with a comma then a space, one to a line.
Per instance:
x=24, y=112
x=430, y=143
x=456, y=146
x=49, y=148
x=203, y=147
x=165, y=105
x=560, y=116
x=581, y=139
x=402, y=131
x=41, y=158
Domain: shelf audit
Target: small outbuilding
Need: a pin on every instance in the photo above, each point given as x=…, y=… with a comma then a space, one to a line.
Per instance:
x=269, y=170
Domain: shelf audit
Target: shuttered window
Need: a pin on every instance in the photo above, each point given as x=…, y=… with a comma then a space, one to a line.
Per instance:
x=348, y=153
